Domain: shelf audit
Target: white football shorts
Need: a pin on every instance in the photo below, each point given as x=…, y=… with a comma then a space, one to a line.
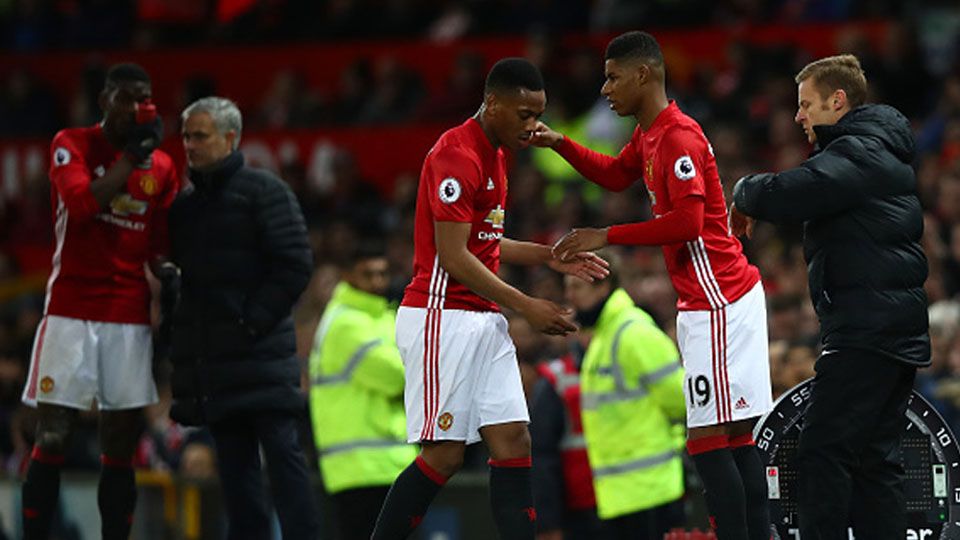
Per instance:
x=726, y=360
x=461, y=373
x=75, y=362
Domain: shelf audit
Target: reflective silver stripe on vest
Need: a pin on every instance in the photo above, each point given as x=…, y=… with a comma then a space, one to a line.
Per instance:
x=325, y=323
x=615, y=357
x=593, y=400
x=361, y=444
x=572, y=442
x=564, y=380
x=652, y=378
x=635, y=465
x=352, y=364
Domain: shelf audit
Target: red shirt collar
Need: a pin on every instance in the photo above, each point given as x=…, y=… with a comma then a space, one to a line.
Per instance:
x=663, y=119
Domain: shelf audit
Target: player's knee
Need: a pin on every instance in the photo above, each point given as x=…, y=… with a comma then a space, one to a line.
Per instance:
x=53, y=441
x=445, y=458
x=509, y=441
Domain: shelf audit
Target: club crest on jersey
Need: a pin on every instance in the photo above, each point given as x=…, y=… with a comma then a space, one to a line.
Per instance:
x=148, y=184
x=46, y=385
x=449, y=191
x=61, y=156
x=684, y=168
x=445, y=421
x=648, y=171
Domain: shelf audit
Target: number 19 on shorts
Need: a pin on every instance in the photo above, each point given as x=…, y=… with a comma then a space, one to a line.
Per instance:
x=698, y=390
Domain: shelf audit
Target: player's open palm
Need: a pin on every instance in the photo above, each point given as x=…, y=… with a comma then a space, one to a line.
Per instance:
x=584, y=265
x=548, y=317
x=578, y=241
x=544, y=137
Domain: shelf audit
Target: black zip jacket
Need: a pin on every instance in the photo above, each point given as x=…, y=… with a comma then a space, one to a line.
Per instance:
x=856, y=197
x=240, y=240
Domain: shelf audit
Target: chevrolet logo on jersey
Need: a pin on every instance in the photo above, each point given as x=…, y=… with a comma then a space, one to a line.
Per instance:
x=125, y=205
x=496, y=217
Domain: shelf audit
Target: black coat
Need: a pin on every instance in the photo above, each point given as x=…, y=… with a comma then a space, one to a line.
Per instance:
x=862, y=226
x=240, y=241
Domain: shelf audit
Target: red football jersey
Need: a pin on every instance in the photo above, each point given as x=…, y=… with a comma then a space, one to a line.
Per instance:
x=676, y=161
x=463, y=180
x=711, y=271
x=98, y=261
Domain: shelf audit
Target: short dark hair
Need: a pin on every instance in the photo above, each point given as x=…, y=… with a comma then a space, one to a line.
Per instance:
x=635, y=45
x=513, y=73
x=126, y=72
x=363, y=249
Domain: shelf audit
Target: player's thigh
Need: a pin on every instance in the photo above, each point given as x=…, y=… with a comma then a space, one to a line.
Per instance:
x=55, y=425
x=501, y=406
x=125, y=354
x=726, y=362
x=442, y=351
x=63, y=365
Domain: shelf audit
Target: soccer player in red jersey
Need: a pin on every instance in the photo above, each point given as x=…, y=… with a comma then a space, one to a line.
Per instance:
x=721, y=325
x=110, y=190
x=462, y=377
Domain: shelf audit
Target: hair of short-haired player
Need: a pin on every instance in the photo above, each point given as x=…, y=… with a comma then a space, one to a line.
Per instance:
x=126, y=72
x=512, y=73
x=635, y=45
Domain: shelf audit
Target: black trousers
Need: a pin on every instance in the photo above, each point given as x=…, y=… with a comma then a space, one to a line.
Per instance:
x=238, y=441
x=357, y=511
x=848, y=458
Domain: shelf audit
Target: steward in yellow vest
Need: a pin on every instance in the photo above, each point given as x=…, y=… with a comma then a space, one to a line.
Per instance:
x=356, y=395
x=631, y=396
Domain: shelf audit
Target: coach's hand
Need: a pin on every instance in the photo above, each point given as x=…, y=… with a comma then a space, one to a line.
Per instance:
x=544, y=137
x=547, y=317
x=144, y=139
x=578, y=241
x=584, y=265
x=739, y=223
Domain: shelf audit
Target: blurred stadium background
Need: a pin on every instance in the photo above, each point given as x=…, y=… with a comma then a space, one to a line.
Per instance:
x=344, y=97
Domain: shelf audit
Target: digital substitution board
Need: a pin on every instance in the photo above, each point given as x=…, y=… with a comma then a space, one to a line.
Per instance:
x=929, y=455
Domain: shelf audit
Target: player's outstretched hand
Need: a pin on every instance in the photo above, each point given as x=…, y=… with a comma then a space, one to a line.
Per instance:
x=585, y=265
x=739, y=223
x=544, y=137
x=578, y=241
x=547, y=317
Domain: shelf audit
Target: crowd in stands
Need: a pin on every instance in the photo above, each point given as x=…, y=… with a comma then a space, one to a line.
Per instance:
x=746, y=108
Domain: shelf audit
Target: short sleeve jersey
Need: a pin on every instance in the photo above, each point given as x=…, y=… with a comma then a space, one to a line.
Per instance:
x=677, y=161
x=463, y=180
x=98, y=261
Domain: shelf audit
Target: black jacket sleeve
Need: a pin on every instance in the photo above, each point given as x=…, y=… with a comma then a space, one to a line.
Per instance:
x=289, y=263
x=834, y=180
x=547, y=422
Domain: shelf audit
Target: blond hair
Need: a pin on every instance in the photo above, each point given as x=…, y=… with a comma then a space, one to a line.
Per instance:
x=842, y=72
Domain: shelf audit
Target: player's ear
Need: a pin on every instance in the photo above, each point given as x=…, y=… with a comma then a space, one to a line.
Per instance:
x=491, y=103
x=103, y=100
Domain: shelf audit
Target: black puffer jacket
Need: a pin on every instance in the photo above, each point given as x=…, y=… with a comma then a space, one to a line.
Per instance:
x=862, y=226
x=239, y=238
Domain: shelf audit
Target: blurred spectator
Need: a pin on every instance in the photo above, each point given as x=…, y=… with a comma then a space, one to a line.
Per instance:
x=397, y=92
x=464, y=89
x=27, y=109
